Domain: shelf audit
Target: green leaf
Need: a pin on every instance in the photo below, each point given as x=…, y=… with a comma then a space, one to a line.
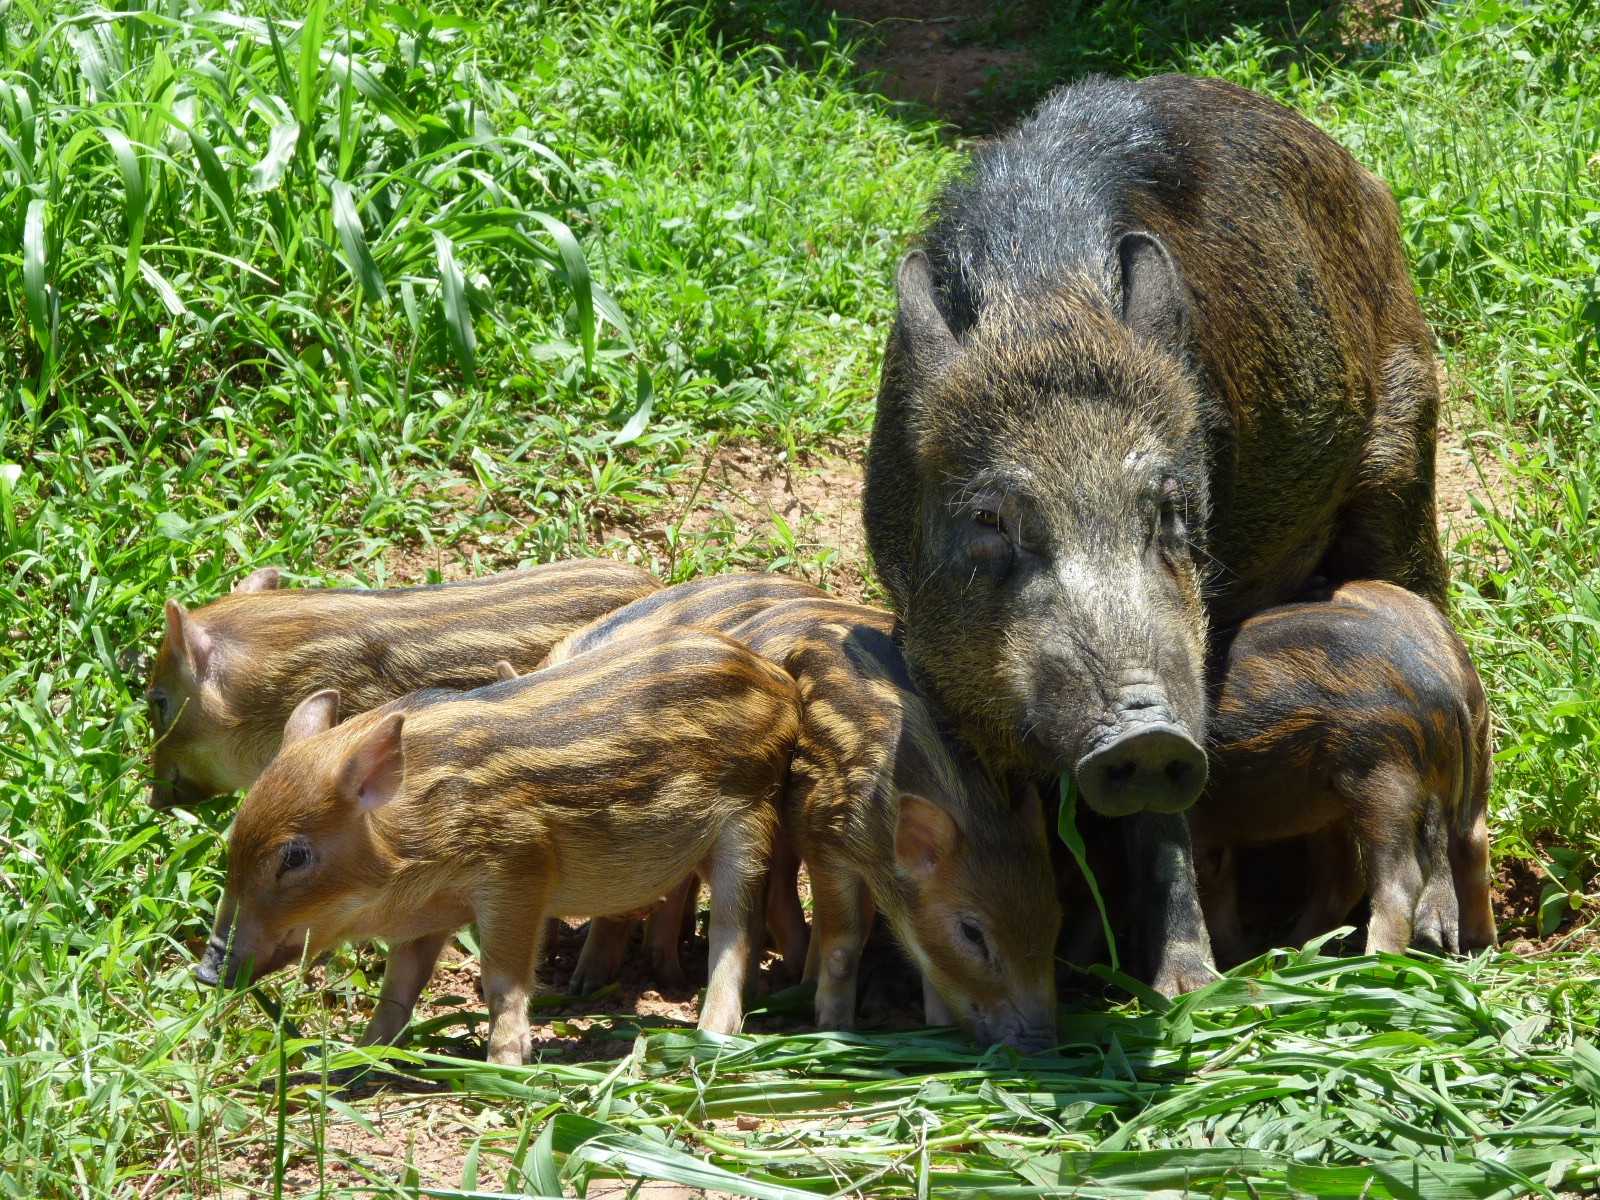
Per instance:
x=164, y=290
x=34, y=289
x=453, y=295
x=644, y=401
x=347, y=224
x=1067, y=828
x=284, y=133
x=576, y=268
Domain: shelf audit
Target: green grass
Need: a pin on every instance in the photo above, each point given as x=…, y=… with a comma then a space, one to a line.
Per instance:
x=486, y=285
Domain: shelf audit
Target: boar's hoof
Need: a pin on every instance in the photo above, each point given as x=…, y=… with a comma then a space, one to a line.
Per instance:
x=1153, y=767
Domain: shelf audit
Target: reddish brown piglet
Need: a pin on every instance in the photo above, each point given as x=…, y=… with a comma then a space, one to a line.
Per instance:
x=592, y=787
x=228, y=675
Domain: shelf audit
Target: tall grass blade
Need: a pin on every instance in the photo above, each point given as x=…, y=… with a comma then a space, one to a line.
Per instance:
x=453, y=296
x=347, y=223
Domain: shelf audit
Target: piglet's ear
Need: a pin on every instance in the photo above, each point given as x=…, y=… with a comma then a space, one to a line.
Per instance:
x=376, y=768
x=317, y=713
x=1029, y=809
x=264, y=580
x=189, y=640
x=924, y=837
x=505, y=670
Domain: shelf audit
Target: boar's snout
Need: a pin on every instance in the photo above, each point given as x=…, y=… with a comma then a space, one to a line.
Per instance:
x=176, y=792
x=1025, y=1032
x=1146, y=765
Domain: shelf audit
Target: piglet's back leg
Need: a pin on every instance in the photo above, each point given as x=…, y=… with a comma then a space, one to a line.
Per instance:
x=407, y=972
x=843, y=910
x=1438, y=916
x=1385, y=803
x=664, y=931
x=600, y=961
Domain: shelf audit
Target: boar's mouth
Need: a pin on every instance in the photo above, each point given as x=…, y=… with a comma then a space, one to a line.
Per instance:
x=1146, y=762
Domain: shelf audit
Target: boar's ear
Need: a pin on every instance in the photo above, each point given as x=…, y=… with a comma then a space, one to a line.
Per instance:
x=1155, y=304
x=189, y=640
x=1029, y=809
x=317, y=713
x=505, y=670
x=263, y=580
x=376, y=768
x=924, y=836
x=928, y=338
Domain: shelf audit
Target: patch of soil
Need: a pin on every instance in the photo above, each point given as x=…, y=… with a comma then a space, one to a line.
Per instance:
x=741, y=490
x=1466, y=466
x=919, y=56
x=1517, y=886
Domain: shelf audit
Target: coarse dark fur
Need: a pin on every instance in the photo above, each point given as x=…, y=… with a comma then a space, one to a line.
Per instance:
x=588, y=788
x=1160, y=364
x=228, y=675
x=1358, y=719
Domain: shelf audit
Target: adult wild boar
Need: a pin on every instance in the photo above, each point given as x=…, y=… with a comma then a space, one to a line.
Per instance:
x=1158, y=364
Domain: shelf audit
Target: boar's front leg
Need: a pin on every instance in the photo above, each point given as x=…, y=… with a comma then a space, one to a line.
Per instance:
x=1170, y=946
x=407, y=972
x=508, y=933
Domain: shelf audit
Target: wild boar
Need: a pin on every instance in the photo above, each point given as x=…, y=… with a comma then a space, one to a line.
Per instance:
x=591, y=787
x=228, y=675
x=1158, y=362
x=1359, y=720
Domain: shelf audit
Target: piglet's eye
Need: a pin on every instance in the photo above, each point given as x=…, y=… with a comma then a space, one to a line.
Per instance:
x=972, y=933
x=294, y=857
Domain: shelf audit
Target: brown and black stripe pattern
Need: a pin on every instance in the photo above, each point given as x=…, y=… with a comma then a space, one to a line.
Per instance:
x=229, y=674
x=1359, y=719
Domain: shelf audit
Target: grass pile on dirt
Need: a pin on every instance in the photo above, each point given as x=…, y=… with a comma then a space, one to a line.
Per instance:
x=341, y=289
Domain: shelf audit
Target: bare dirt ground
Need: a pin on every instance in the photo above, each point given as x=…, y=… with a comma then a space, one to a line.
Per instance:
x=919, y=56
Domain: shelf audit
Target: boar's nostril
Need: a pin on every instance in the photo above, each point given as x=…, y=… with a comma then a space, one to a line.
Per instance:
x=1155, y=767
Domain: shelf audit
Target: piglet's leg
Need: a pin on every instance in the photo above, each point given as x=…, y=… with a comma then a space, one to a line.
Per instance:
x=843, y=910
x=662, y=933
x=1469, y=867
x=734, y=871
x=1217, y=873
x=1336, y=883
x=784, y=914
x=1437, y=927
x=1383, y=803
x=508, y=933
x=601, y=958
x=407, y=972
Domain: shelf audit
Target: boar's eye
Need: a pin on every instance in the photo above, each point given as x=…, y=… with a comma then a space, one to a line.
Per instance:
x=986, y=516
x=158, y=706
x=974, y=936
x=295, y=856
